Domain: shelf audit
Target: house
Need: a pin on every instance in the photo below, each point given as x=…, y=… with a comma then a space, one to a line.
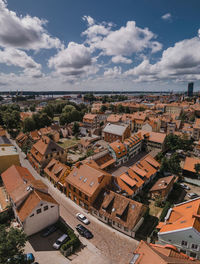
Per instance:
x=21, y=139
x=162, y=188
x=2, y=131
x=34, y=136
x=182, y=228
x=103, y=160
x=33, y=207
x=196, y=129
x=84, y=183
x=57, y=172
x=118, y=151
x=173, y=109
x=5, y=142
x=113, y=119
x=113, y=132
x=8, y=157
x=133, y=145
x=146, y=253
x=121, y=213
x=152, y=140
x=138, y=175
x=43, y=151
x=91, y=121
x=189, y=166
x=24, y=115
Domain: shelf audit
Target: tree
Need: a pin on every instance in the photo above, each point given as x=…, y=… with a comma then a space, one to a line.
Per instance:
x=75, y=129
x=29, y=124
x=197, y=169
x=49, y=110
x=32, y=108
x=25, y=109
x=127, y=109
x=103, y=108
x=12, y=242
x=120, y=108
x=68, y=109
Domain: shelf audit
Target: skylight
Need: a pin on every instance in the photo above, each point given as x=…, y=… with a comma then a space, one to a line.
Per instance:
x=85, y=180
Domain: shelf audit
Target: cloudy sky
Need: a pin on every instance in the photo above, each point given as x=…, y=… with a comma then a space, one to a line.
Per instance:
x=95, y=45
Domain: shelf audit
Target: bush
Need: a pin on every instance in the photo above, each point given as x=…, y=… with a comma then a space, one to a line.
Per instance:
x=164, y=211
x=6, y=216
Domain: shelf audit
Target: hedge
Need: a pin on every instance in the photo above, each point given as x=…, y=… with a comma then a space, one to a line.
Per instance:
x=164, y=211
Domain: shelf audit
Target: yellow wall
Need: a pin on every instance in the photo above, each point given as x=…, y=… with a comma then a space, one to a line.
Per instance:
x=7, y=161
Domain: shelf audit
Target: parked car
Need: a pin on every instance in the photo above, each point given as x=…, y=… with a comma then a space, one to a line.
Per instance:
x=60, y=241
x=83, y=231
x=184, y=186
x=49, y=230
x=82, y=218
x=25, y=258
x=192, y=195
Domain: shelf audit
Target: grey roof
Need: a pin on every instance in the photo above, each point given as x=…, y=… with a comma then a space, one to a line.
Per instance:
x=114, y=129
x=5, y=140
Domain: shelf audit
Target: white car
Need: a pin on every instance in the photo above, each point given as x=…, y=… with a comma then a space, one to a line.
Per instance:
x=184, y=186
x=82, y=218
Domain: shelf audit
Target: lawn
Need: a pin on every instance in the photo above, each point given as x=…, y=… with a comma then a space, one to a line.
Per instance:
x=66, y=143
x=154, y=210
x=56, y=118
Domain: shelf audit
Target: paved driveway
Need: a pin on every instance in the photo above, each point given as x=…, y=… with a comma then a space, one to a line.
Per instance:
x=108, y=245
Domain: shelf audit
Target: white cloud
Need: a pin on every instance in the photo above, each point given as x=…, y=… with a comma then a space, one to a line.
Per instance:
x=89, y=20
x=180, y=62
x=24, y=32
x=113, y=72
x=74, y=60
x=11, y=56
x=167, y=17
x=121, y=59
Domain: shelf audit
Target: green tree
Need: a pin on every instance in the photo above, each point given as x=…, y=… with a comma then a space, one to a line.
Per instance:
x=127, y=109
x=75, y=128
x=68, y=109
x=12, y=242
x=103, y=108
x=32, y=108
x=49, y=110
x=28, y=124
x=197, y=169
x=120, y=108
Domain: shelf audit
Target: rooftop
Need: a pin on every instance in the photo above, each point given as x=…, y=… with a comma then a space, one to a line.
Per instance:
x=114, y=129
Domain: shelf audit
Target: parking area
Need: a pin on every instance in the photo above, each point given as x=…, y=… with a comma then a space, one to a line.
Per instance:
x=193, y=189
x=42, y=248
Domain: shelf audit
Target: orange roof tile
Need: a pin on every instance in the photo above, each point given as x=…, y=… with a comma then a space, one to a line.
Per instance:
x=190, y=163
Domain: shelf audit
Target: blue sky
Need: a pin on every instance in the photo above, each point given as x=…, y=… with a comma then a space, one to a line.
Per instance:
x=99, y=45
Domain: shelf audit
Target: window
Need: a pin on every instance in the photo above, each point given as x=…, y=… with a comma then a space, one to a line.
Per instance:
x=46, y=207
x=126, y=229
x=184, y=243
x=193, y=255
x=195, y=246
x=74, y=189
x=52, y=206
x=80, y=193
x=75, y=199
x=119, y=225
x=39, y=211
x=32, y=215
x=69, y=194
x=69, y=186
x=86, y=197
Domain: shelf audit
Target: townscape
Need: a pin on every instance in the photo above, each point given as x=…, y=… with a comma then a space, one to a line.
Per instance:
x=102, y=173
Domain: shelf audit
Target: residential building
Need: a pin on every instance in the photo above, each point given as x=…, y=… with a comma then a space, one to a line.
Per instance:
x=173, y=108
x=138, y=175
x=196, y=129
x=146, y=253
x=43, y=151
x=57, y=172
x=181, y=228
x=152, y=140
x=8, y=157
x=189, y=166
x=118, y=151
x=113, y=132
x=5, y=142
x=91, y=121
x=21, y=139
x=133, y=145
x=114, y=119
x=121, y=213
x=84, y=183
x=162, y=188
x=33, y=207
x=2, y=131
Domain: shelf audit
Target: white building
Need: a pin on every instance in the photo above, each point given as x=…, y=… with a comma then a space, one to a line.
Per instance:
x=182, y=228
x=33, y=207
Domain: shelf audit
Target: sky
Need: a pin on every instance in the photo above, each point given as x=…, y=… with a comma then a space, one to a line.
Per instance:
x=92, y=45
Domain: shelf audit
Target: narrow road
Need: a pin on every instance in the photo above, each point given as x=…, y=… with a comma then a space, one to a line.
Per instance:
x=115, y=246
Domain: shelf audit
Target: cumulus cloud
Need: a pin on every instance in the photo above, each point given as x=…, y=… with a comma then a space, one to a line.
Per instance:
x=121, y=59
x=113, y=72
x=89, y=20
x=125, y=41
x=24, y=32
x=16, y=57
x=167, y=17
x=180, y=62
x=71, y=61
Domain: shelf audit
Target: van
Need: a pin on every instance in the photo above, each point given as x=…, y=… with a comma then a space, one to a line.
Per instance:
x=60, y=241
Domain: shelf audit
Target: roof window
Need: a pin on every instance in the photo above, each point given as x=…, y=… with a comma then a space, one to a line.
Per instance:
x=85, y=180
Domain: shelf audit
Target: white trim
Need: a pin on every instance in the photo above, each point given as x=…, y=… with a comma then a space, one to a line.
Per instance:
x=176, y=230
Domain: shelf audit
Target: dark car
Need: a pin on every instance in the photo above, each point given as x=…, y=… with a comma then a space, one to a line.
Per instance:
x=25, y=258
x=83, y=231
x=49, y=230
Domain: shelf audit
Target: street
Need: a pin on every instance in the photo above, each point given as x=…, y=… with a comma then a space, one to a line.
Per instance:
x=108, y=244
